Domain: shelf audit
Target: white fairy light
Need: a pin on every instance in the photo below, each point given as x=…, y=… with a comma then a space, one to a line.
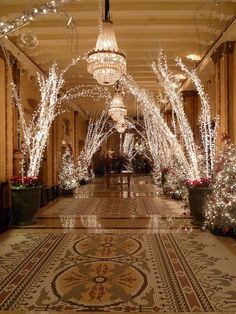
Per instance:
x=141, y=146
x=36, y=133
x=208, y=132
x=128, y=145
x=221, y=204
x=129, y=149
x=9, y=27
x=148, y=103
x=169, y=83
x=98, y=132
x=67, y=177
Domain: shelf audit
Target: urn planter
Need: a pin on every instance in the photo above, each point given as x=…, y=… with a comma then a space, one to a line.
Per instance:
x=25, y=203
x=197, y=197
x=68, y=192
x=224, y=232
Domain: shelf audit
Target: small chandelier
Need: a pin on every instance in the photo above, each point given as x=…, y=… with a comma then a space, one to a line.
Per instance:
x=117, y=110
x=121, y=126
x=106, y=62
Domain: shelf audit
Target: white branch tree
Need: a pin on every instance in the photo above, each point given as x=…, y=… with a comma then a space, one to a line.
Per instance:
x=208, y=131
x=172, y=90
x=150, y=108
x=98, y=132
x=36, y=132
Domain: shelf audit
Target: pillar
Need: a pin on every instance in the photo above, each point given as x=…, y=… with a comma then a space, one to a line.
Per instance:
x=76, y=134
x=3, y=121
x=191, y=108
x=225, y=80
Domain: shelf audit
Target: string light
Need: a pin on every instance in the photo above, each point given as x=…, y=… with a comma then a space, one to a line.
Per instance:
x=129, y=149
x=67, y=177
x=208, y=131
x=220, y=209
x=169, y=82
x=9, y=27
x=98, y=132
x=148, y=104
x=36, y=132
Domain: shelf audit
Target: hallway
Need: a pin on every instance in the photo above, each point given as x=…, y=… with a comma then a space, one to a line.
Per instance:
x=116, y=250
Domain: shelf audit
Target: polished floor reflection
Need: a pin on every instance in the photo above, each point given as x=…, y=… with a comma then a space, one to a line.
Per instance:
x=116, y=250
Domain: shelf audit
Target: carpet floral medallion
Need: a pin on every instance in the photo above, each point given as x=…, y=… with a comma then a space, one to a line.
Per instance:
x=116, y=272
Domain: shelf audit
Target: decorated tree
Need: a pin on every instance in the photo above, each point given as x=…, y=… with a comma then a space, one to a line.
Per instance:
x=160, y=139
x=221, y=206
x=129, y=150
x=171, y=87
x=98, y=132
x=68, y=178
x=36, y=132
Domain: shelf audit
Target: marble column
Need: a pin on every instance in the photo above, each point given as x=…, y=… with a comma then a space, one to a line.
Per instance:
x=225, y=89
x=3, y=121
x=192, y=107
x=76, y=134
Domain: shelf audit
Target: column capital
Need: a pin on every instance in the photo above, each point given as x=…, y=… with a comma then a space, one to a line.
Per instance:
x=225, y=48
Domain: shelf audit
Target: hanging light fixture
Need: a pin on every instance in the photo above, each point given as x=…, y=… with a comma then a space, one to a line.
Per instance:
x=121, y=126
x=117, y=110
x=107, y=63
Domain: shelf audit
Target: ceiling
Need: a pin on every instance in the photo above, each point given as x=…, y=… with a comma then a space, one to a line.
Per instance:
x=142, y=28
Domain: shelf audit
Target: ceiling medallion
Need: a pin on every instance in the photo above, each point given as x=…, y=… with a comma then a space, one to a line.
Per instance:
x=107, y=63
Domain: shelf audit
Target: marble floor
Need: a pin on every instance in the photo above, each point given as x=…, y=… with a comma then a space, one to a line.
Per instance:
x=116, y=249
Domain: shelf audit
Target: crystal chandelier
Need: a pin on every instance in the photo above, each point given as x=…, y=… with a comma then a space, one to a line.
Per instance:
x=117, y=110
x=121, y=126
x=106, y=62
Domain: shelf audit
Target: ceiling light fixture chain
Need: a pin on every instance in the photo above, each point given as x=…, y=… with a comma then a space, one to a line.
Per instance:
x=100, y=16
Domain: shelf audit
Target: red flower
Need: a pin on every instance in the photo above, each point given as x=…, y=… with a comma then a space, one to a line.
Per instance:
x=202, y=182
x=25, y=181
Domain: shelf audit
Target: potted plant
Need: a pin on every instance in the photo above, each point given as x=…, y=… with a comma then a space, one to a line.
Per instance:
x=198, y=190
x=220, y=209
x=26, y=196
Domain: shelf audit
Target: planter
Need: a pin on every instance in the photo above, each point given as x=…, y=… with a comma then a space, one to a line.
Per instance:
x=54, y=192
x=49, y=194
x=25, y=203
x=4, y=207
x=44, y=199
x=224, y=232
x=83, y=182
x=197, y=197
x=60, y=192
x=68, y=192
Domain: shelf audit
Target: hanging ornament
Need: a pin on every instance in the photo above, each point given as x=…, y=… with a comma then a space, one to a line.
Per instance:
x=121, y=126
x=29, y=39
x=117, y=110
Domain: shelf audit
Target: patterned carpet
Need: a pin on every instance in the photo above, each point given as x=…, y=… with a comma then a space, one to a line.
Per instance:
x=114, y=207
x=98, y=188
x=116, y=272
